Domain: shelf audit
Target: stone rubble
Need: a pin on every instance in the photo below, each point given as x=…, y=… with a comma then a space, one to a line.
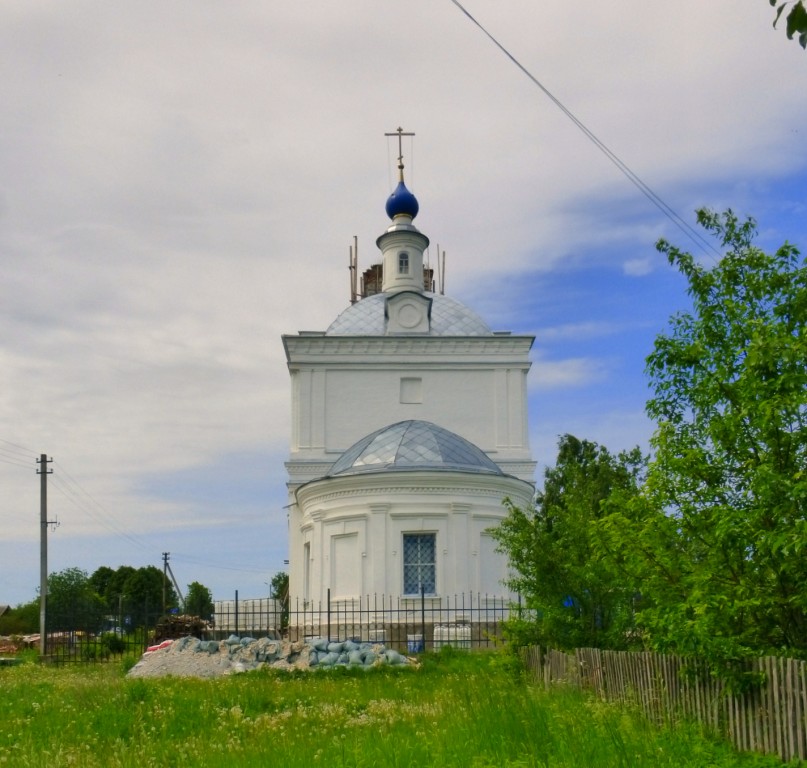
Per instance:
x=191, y=657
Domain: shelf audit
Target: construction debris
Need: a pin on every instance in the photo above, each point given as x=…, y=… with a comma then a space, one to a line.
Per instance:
x=191, y=657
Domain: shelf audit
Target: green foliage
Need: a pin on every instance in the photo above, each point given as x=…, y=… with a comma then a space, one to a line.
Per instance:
x=279, y=590
x=76, y=601
x=279, y=586
x=113, y=642
x=796, y=19
x=573, y=596
x=103, y=582
x=27, y=656
x=718, y=538
x=133, y=595
x=145, y=588
x=72, y=603
x=94, y=652
x=128, y=661
x=522, y=629
x=464, y=710
x=22, y=620
x=199, y=601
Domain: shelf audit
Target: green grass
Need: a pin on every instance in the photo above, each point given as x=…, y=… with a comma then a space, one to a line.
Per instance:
x=456, y=710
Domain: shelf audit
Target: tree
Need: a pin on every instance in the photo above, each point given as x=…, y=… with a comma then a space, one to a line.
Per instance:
x=142, y=592
x=72, y=603
x=115, y=593
x=796, y=19
x=199, y=601
x=279, y=586
x=21, y=620
x=103, y=582
x=719, y=535
x=279, y=590
x=134, y=596
x=573, y=595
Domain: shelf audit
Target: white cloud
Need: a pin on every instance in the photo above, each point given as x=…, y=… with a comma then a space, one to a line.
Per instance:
x=638, y=267
x=565, y=374
x=181, y=184
x=583, y=330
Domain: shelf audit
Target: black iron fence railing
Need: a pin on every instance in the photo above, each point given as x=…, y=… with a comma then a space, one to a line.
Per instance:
x=411, y=622
x=84, y=631
x=408, y=623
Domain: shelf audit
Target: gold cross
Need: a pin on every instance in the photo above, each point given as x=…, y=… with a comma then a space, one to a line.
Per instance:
x=400, y=133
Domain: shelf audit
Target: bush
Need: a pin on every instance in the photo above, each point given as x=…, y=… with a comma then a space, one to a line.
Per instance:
x=113, y=642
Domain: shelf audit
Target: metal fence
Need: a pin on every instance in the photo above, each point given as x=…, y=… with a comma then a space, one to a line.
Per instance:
x=421, y=623
x=83, y=631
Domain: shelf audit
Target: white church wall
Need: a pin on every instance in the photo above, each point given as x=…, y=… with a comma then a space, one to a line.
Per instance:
x=460, y=401
x=491, y=566
x=352, y=535
x=308, y=409
x=510, y=403
x=345, y=565
x=344, y=388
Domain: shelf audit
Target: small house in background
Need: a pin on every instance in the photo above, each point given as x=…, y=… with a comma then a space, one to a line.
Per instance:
x=409, y=429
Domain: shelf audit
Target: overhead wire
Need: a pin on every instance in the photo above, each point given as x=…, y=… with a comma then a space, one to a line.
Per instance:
x=179, y=556
x=76, y=493
x=12, y=453
x=28, y=451
x=15, y=460
x=668, y=211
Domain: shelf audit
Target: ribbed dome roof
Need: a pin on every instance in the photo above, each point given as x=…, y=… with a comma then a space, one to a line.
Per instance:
x=448, y=318
x=412, y=445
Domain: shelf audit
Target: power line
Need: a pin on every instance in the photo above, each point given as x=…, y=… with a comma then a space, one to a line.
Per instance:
x=76, y=496
x=216, y=566
x=15, y=462
x=668, y=211
x=28, y=451
x=16, y=454
x=76, y=493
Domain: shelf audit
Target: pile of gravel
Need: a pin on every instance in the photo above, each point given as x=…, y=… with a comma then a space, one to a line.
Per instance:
x=191, y=657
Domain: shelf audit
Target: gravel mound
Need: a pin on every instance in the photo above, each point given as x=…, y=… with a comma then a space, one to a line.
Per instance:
x=191, y=657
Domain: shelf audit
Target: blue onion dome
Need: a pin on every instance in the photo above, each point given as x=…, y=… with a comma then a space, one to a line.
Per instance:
x=402, y=202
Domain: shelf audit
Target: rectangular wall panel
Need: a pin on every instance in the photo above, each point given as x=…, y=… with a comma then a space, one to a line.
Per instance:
x=345, y=566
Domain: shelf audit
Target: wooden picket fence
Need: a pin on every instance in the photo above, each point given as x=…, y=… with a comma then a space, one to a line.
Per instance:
x=771, y=718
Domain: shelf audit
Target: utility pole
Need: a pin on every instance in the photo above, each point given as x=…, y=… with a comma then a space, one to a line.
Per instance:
x=43, y=473
x=166, y=555
x=167, y=567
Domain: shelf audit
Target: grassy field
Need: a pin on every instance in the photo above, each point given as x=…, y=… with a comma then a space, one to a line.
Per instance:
x=455, y=710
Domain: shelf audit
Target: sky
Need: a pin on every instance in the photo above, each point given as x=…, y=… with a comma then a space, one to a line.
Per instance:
x=181, y=183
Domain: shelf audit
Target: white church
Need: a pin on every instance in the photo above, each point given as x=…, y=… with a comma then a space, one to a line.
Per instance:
x=409, y=428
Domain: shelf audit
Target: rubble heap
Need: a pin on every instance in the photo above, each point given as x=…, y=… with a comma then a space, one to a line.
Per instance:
x=191, y=657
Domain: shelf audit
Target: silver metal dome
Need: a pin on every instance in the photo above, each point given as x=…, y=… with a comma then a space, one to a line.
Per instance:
x=448, y=318
x=412, y=445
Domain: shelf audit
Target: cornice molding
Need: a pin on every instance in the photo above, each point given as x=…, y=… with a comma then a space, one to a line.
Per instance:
x=325, y=491
x=341, y=348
